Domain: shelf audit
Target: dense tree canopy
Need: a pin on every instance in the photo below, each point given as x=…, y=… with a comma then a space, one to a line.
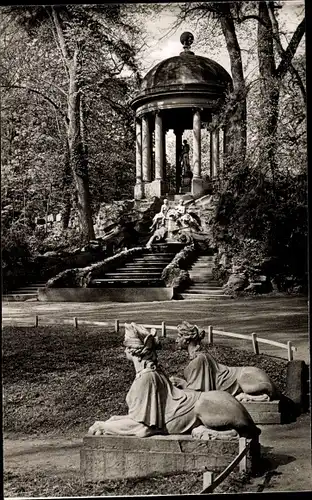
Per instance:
x=68, y=74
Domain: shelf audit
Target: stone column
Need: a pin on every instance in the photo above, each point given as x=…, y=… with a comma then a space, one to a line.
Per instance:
x=221, y=147
x=178, y=149
x=197, y=182
x=214, y=152
x=138, y=191
x=196, y=144
x=164, y=153
x=225, y=139
x=159, y=153
x=146, y=150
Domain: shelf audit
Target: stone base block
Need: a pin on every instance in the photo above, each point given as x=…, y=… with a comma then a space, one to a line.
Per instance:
x=197, y=186
x=267, y=412
x=155, y=188
x=138, y=191
x=118, y=294
x=119, y=457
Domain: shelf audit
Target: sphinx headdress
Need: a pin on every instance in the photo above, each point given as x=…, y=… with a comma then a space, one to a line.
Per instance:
x=189, y=331
x=137, y=336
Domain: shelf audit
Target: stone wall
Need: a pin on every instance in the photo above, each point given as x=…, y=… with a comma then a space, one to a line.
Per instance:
x=175, y=274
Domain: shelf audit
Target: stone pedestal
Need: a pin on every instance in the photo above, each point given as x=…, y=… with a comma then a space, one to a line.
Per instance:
x=120, y=457
x=139, y=191
x=197, y=186
x=155, y=188
x=267, y=412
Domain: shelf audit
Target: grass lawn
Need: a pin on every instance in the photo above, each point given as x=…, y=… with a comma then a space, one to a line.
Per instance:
x=58, y=380
x=41, y=484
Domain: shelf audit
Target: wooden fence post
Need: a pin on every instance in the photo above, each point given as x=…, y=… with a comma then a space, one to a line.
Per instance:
x=36, y=320
x=210, y=335
x=290, y=351
x=116, y=325
x=75, y=322
x=255, y=344
x=207, y=479
x=163, y=329
x=243, y=463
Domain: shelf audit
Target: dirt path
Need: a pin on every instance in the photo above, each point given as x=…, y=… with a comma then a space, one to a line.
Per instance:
x=276, y=318
x=52, y=455
x=287, y=447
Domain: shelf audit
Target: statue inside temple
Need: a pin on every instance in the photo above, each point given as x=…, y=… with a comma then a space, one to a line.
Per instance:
x=156, y=406
x=185, y=157
x=204, y=373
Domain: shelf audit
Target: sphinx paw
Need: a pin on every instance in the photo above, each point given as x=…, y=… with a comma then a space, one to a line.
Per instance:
x=243, y=397
x=97, y=429
x=206, y=434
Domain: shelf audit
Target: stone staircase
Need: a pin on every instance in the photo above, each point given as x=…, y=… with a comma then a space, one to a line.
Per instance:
x=143, y=271
x=27, y=292
x=204, y=286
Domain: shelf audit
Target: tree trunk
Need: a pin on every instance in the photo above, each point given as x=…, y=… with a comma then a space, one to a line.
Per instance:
x=269, y=89
x=237, y=121
x=67, y=182
x=76, y=153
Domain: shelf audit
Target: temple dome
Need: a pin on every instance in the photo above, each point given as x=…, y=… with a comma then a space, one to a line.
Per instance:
x=185, y=71
x=183, y=82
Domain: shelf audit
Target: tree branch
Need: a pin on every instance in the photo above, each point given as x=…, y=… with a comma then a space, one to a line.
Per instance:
x=251, y=16
x=282, y=52
x=61, y=38
x=45, y=97
x=291, y=49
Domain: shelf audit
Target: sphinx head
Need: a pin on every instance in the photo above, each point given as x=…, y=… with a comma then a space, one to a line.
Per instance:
x=189, y=334
x=141, y=343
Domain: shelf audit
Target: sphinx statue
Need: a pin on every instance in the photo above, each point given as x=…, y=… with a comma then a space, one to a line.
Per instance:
x=204, y=373
x=156, y=406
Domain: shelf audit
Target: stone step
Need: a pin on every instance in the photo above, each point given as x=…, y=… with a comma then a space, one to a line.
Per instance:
x=202, y=279
x=198, y=284
x=154, y=257
x=193, y=296
x=149, y=261
x=151, y=264
x=205, y=290
x=207, y=258
x=140, y=268
x=208, y=265
x=156, y=254
x=201, y=275
x=127, y=282
x=132, y=275
x=201, y=270
x=202, y=266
